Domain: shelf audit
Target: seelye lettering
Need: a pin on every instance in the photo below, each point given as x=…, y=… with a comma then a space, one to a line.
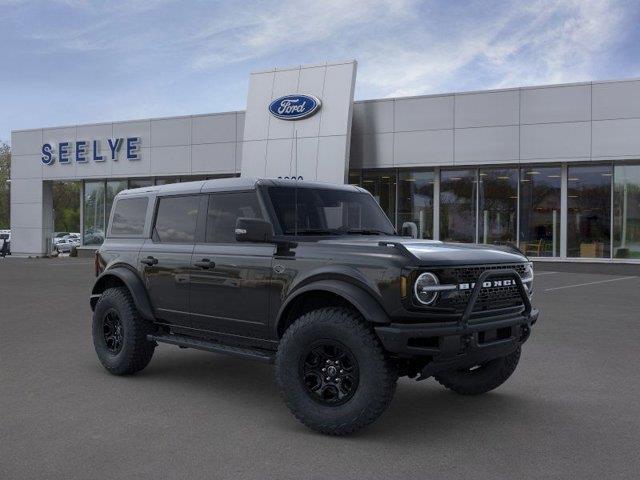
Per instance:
x=83, y=150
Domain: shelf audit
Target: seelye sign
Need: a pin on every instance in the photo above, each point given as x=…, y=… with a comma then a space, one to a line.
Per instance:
x=82, y=151
x=294, y=107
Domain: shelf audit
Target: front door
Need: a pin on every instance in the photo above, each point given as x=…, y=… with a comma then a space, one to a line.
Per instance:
x=165, y=260
x=230, y=281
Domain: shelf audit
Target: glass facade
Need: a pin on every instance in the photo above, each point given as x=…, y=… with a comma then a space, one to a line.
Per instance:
x=589, y=211
x=98, y=198
x=382, y=185
x=626, y=211
x=498, y=212
x=458, y=205
x=94, y=213
x=519, y=206
x=415, y=203
x=540, y=194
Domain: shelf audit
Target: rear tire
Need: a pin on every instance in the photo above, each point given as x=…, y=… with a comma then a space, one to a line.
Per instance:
x=480, y=379
x=120, y=333
x=358, y=380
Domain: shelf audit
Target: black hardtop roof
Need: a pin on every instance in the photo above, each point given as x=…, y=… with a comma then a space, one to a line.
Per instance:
x=231, y=184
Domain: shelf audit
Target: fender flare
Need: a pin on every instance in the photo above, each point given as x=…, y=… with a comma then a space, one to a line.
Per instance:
x=133, y=283
x=363, y=301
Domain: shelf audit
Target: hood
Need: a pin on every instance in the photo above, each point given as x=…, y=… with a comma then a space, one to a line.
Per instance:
x=433, y=252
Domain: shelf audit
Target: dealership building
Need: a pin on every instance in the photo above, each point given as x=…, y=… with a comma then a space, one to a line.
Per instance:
x=552, y=169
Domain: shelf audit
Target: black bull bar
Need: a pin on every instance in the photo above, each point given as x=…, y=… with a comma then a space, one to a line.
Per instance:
x=459, y=345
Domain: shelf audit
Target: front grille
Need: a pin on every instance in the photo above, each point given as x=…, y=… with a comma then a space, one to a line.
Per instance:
x=490, y=298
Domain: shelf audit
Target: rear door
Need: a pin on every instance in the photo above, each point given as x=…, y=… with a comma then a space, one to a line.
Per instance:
x=165, y=259
x=230, y=281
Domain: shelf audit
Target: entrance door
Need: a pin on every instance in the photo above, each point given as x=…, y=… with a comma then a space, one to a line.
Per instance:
x=230, y=281
x=165, y=260
x=382, y=185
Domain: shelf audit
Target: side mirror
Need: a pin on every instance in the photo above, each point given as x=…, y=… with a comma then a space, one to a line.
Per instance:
x=253, y=230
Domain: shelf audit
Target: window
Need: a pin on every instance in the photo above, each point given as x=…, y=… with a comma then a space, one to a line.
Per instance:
x=140, y=182
x=129, y=216
x=540, y=189
x=626, y=208
x=223, y=211
x=458, y=205
x=176, y=219
x=498, y=205
x=589, y=211
x=113, y=188
x=415, y=202
x=94, y=210
x=309, y=211
x=167, y=180
x=382, y=185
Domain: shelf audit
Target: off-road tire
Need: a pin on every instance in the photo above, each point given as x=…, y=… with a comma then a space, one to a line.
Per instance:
x=483, y=379
x=377, y=374
x=136, y=351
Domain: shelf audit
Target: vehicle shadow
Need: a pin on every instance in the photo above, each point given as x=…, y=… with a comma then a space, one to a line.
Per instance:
x=418, y=409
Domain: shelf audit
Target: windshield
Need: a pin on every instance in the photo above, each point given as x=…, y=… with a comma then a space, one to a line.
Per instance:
x=315, y=211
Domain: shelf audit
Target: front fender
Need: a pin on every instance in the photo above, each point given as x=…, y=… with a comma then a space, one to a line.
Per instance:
x=364, y=302
x=133, y=283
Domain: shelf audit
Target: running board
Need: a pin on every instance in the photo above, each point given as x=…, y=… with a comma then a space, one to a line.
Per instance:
x=211, y=346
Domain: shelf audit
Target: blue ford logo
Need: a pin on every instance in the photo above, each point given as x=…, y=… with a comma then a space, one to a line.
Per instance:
x=294, y=107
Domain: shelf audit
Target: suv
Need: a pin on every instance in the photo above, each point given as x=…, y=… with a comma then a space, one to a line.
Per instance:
x=311, y=277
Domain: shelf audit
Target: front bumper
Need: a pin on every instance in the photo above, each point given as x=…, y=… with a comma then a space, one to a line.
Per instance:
x=465, y=343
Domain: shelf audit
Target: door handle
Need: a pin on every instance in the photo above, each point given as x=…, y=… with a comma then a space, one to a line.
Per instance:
x=149, y=260
x=205, y=264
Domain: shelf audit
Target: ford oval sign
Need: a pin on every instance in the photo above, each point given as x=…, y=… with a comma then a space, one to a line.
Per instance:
x=294, y=107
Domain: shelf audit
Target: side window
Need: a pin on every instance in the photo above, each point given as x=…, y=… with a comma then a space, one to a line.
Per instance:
x=129, y=215
x=176, y=219
x=224, y=209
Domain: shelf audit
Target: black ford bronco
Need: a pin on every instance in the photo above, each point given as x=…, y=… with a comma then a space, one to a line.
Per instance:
x=311, y=277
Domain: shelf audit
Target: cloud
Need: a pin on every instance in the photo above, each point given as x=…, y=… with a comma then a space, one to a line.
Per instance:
x=546, y=42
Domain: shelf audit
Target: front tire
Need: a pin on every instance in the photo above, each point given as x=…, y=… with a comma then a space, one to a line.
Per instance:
x=120, y=333
x=481, y=378
x=333, y=373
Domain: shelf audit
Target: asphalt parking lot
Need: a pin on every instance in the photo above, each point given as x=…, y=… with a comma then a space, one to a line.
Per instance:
x=571, y=410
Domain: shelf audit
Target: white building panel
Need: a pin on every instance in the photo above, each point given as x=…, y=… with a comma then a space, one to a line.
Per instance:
x=616, y=138
x=431, y=147
x=556, y=104
x=372, y=117
x=613, y=100
x=555, y=141
x=486, y=145
x=487, y=109
x=171, y=132
x=423, y=113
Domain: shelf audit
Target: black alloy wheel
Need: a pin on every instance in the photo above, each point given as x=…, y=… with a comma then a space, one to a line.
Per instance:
x=329, y=372
x=112, y=331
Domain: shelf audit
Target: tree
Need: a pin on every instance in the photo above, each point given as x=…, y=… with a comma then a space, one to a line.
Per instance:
x=66, y=203
x=5, y=175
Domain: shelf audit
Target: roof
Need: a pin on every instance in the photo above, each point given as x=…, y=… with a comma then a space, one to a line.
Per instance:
x=232, y=184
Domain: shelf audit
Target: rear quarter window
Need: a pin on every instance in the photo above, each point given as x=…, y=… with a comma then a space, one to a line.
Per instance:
x=129, y=216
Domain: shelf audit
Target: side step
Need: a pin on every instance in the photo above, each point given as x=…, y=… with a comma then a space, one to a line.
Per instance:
x=211, y=346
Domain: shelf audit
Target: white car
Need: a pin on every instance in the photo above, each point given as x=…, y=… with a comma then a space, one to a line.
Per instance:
x=65, y=245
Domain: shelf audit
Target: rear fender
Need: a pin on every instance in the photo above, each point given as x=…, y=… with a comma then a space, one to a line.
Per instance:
x=133, y=283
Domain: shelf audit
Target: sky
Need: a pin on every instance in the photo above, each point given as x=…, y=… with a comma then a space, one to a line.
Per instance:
x=80, y=61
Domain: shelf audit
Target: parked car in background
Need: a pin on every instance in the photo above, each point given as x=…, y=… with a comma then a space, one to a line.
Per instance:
x=5, y=242
x=57, y=236
x=65, y=245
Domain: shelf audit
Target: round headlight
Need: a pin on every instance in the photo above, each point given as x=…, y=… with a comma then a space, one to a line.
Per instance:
x=422, y=289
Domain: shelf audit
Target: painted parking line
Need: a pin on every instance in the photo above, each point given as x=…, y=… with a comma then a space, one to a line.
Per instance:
x=544, y=273
x=589, y=283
